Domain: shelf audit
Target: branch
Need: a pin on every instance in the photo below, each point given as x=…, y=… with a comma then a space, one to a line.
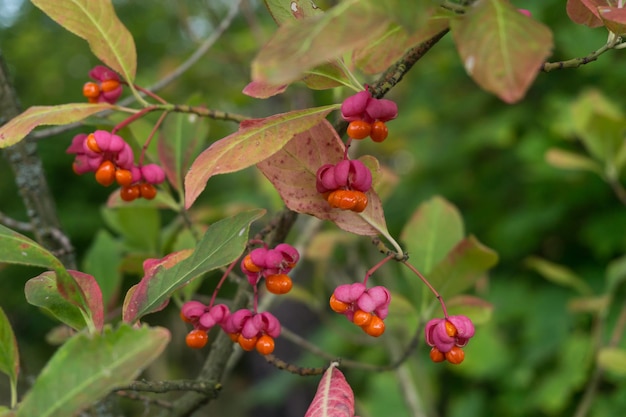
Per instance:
x=31, y=181
x=208, y=388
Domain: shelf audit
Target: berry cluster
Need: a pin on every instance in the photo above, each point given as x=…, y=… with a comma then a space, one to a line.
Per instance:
x=447, y=337
x=106, y=88
x=367, y=308
x=273, y=265
x=112, y=160
x=368, y=115
x=248, y=328
x=344, y=185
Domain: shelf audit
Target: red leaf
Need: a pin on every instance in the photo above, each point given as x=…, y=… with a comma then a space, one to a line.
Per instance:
x=256, y=140
x=501, y=48
x=93, y=296
x=583, y=15
x=614, y=19
x=292, y=170
x=260, y=89
x=334, y=397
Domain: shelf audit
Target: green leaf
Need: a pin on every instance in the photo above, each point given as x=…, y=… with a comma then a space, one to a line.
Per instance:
x=501, y=48
x=17, y=128
x=288, y=10
x=293, y=172
x=18, y=249
x=9, y=355
x=97, y=23
x=256, y=140
x=613, y=360
x=140, y=227
x=325, y=76
x=42, y=291
x=410, y=14
x=102, y=261
x=462, y=267
x=223, y=243
x=615, y=274
x=431, y=232
x=301, y=45
x=558, y=274
x=88, y=367
x=570, y=160
x=179, y=143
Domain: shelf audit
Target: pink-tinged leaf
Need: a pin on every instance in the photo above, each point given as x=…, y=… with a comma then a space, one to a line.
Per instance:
x=180, y=141
x=17, y=128
x=260, y=89
x=97, y=23
x=501, y=48
x=285, y=10
x=9, y=355
x=380, y=53
x=18, y=249
x=325, y=76
x=42, y=291
x=256, y=140
x=579, y=13
x=93, y=296
x=138, y=294
x=223, y=243
x=301, y=45
x=293, y=170
x=334, y=397
x=614, y=19
x=462, y=267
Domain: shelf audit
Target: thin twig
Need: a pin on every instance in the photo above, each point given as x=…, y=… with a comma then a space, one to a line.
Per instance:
x=15, y=224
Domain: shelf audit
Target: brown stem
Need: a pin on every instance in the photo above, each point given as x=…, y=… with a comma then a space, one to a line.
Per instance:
x=31, y=181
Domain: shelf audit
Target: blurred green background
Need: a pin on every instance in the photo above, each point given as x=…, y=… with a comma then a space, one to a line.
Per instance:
x=535, y=356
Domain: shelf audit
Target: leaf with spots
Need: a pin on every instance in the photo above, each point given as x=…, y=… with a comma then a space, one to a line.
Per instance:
x=300, y=45
x=334, y=397
x=501, y=48
x=17, y=128
x=293, y=171
x=287, y=10
x=97, y=23
x=223, y=242
x=256, y=140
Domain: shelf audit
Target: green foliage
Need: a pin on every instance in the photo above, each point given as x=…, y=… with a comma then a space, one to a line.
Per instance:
x=9, y=355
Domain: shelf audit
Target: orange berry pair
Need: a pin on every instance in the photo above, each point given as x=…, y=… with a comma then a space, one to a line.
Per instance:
x=197, y=339
x=93, y=90
x=348, y=200
x=133, y=192
x=263, y=344
x=455, y=355
x=360, y=129
x=107, y=174
x=370, y=323
x=278, y=284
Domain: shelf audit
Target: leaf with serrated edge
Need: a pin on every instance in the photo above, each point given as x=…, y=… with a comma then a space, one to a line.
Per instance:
x=463, y=265
x=17, y=128
x=9, y=355
x=501, y=48
x=334, y=397
x=97, y=23
x=18, y=249
x=256, y=140
x=298, y=46
x=293, y=171
x=223, y=242
x=431, y=232
x=87, y=367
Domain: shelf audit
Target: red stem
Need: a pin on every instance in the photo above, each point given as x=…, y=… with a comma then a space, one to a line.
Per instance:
x=150, y=136
x=134, y=117
x=375, y=267
x=430, y=287
x=219, y=284
x=151, y=94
